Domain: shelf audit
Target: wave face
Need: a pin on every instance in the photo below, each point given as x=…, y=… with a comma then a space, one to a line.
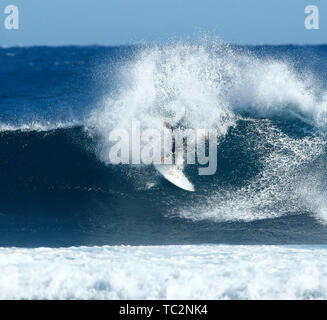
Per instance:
x=268, y=104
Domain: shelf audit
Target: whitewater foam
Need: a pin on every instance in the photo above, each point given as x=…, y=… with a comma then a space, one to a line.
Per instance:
x=286, y=184
x=165, y=272
x=207, y=86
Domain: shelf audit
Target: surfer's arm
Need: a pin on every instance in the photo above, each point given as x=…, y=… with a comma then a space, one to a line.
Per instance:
x=170, y=127
x=165, y=157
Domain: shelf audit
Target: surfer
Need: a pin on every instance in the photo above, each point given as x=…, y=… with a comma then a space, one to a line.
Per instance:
x=173, y=148
x=173, y=160
x=176, y=131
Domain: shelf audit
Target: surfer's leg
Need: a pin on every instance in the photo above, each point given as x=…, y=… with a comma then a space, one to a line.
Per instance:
x=173, y=148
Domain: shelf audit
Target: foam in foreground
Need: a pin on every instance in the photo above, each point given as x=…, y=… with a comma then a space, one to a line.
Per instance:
x=165, y=272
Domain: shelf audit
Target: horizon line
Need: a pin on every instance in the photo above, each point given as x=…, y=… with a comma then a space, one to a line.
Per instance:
x=154, y=44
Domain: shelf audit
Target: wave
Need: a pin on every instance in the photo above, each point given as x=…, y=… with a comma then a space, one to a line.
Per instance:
x=56, y=191
x=213, y=85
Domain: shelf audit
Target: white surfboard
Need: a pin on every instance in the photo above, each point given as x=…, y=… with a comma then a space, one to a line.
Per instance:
x=174, y=174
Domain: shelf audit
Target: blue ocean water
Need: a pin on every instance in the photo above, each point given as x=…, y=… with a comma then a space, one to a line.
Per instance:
x=58, y=188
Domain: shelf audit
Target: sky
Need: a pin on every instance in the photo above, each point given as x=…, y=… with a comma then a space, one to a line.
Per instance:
x=123, y=22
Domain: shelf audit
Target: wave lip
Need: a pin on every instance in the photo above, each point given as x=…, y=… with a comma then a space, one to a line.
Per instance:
x=165, y=272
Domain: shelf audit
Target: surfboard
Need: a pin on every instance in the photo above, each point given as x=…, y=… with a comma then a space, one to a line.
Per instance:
x=174, y=174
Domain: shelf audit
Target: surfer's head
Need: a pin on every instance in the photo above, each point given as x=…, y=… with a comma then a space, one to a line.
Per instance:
x=168, y=125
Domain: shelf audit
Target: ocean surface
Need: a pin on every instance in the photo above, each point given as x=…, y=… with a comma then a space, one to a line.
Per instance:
x=75, y=226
